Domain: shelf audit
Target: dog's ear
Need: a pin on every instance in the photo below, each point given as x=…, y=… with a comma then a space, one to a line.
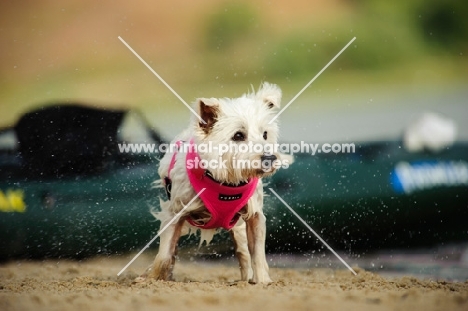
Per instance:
x=208, y=109
x=270, y=94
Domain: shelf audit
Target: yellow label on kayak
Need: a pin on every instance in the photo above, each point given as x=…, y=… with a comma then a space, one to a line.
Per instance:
x=12, y=201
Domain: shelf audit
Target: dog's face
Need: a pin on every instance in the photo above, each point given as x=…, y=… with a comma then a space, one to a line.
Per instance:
x=240, y=134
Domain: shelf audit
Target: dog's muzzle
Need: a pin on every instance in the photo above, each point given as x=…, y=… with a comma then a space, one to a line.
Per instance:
x=267, y=162
x=268, y=157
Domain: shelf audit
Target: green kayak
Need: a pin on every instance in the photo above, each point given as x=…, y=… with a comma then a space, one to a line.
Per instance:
x=379, y=197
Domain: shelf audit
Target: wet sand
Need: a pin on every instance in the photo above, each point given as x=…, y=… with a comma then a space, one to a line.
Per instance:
x=93, y=285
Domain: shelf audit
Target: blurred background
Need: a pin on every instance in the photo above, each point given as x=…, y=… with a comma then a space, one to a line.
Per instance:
x=407, y=58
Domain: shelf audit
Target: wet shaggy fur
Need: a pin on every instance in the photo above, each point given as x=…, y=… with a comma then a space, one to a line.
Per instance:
x=243, y=120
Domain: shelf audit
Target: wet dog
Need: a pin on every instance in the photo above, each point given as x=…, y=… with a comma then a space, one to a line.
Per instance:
x=222, y=157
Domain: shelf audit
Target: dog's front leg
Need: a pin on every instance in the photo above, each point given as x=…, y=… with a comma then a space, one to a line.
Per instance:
x=239, y=237
x=256, y=234
x=163, y=264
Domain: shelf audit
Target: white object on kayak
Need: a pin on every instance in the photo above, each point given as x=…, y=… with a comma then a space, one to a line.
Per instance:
x=431, y=131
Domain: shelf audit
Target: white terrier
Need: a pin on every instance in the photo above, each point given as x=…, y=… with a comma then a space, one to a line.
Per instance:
x=233, y=195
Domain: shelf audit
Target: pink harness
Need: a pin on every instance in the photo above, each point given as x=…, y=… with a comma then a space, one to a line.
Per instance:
x=222, y=201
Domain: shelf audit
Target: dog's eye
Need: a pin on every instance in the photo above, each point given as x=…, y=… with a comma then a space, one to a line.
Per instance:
x=265, y=136
x=239, y=136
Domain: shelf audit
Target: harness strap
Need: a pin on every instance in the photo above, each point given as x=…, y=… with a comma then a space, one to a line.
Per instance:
x=167, y=179
x=172, y=164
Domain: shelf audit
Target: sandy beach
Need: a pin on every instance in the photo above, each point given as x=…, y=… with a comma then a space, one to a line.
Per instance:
x=93, y=284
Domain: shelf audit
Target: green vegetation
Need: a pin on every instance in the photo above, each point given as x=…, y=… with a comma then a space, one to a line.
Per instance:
x=444, y=24
x=389, y=35
x=230, y=24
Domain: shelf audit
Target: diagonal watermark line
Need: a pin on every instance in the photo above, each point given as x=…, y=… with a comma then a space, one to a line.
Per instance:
x=312, y=230
x=162, y=80
x=161, y=231
x=311, y=81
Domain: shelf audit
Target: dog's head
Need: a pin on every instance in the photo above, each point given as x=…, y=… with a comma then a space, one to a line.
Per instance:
x=237, y=134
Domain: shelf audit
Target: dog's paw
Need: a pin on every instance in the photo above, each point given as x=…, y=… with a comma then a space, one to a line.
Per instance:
x=160, y=271
x=265, y=279
x=140, y=279
x=264, y=282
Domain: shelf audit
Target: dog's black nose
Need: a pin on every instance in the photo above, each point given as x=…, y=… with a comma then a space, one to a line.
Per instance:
x=268, y=157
